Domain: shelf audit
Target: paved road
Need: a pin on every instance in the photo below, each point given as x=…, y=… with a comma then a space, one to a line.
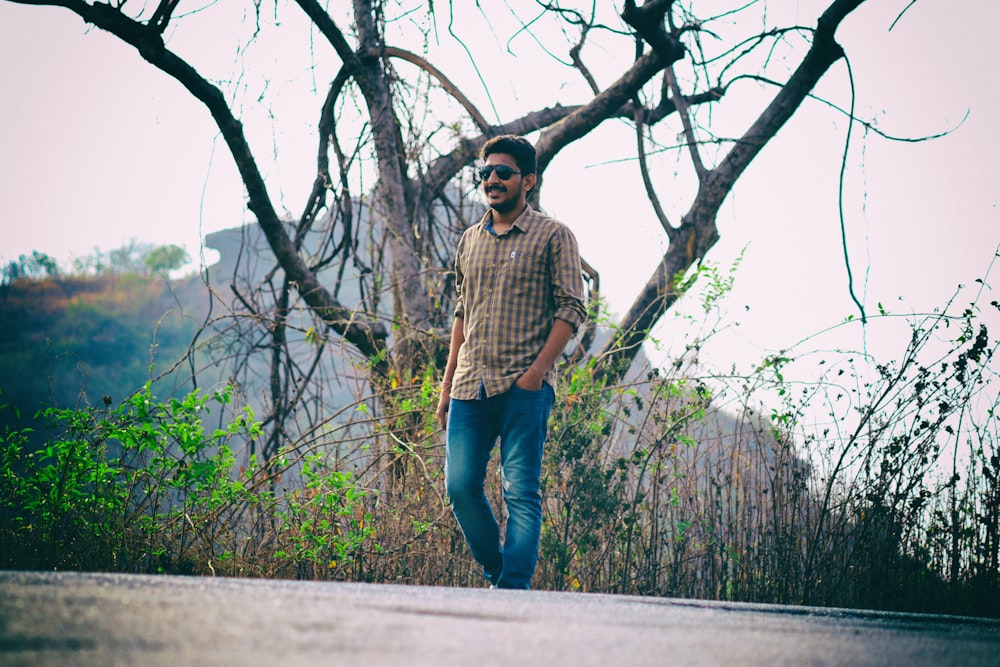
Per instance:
x=103, y=619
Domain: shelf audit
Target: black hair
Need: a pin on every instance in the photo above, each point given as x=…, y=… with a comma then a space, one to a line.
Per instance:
x=517, y=147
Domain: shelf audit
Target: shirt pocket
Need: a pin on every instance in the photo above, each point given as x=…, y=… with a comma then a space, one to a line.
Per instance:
x=524, y=267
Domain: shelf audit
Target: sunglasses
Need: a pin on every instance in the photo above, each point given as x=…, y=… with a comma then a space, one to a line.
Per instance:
x=503, y=172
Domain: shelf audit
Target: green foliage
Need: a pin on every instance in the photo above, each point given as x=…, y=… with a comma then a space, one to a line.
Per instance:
x=715, y=283
x=324, y=525
x=872, y=485
x=106, y=490
x=36, y=266
x=166, y=258
x=132, y=258
x=149, y=487
x=597, y=486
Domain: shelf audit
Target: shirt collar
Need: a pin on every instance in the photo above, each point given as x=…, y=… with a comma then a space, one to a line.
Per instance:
x=522, y=223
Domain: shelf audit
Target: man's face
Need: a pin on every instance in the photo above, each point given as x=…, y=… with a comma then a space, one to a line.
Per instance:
x=504, y=196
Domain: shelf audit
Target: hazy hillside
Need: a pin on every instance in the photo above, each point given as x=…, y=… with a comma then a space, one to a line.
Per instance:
x=73, y=341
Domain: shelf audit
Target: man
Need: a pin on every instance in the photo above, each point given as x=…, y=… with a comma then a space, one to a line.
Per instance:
x=520, y=300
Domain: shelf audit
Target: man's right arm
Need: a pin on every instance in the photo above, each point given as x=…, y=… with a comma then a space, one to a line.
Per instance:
x=457, y=340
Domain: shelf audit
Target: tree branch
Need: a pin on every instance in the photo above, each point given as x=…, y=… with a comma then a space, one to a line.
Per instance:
x=647, y=182
x=605, y=105
x=445, y=82
x=698, y=232
x=822, y=54
x=666, y=50
x=574, y=54
x=648, y=22
x=682, y=108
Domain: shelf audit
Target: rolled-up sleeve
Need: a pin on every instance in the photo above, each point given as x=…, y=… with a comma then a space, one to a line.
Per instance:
x=459, y=279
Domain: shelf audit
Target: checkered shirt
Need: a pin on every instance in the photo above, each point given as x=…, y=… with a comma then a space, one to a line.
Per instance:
x=511, y=287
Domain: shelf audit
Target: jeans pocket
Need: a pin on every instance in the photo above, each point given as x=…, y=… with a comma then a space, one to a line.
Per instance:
x=544, y=391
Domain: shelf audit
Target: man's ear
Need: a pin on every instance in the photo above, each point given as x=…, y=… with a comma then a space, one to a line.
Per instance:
x=529, y=182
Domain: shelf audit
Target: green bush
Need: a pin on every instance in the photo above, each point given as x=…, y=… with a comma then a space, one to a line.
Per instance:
x=110, y=487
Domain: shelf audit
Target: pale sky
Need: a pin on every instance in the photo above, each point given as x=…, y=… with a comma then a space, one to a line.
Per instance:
x=99, y=148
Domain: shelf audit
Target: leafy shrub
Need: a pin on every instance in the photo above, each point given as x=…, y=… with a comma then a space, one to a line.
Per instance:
x=148, y=487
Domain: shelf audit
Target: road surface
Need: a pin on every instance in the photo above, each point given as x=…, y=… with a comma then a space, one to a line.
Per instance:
x=110, y=619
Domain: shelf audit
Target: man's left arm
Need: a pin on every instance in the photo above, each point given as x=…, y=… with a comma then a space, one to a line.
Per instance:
x=570, y=312
x=559, y=336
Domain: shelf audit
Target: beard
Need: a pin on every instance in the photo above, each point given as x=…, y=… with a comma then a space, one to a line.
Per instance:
x=506, y=205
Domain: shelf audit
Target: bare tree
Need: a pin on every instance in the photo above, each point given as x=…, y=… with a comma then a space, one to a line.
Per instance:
x=675, y=66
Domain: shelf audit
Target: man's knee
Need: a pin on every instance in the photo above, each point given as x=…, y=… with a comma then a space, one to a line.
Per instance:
x=462, y=489
x=521, y=488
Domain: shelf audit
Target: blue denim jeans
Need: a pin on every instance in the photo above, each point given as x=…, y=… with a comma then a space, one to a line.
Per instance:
x=519, y=418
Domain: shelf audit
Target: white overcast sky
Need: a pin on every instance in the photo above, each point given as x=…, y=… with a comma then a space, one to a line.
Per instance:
x=99, y=148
